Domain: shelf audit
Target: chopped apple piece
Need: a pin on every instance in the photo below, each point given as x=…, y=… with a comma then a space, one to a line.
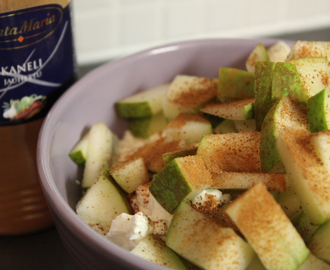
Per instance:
x=318, y=111
x=312, y=262
x=278, y=52
x=100, y=150
x=235, y=84
x=245, y=125
x=308, y=175
x=153, y=249
x=231, y=152
x=145, y=127
x=263, y=90
x=102, y=203
x=130, y=174
x=256, y=214
x=305, y=227
x=237, y=110
x=204, y=242
x=291, y=204
x=226, y=126
x=321, y=144
x=302, y=49
x=182, y=179
x=142, y=104
x=187, y=93
x=319, y=244
x=79, y=152
x=169, y=156
x=187, y=127
x=284, y=114
x=259, y=53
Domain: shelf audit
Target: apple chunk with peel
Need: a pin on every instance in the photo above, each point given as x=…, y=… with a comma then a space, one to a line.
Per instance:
x=308, y=176
x=284, y=114
x=79, y=152
x=303, y=49
x=187, y=93
x=320, y=141
x=318, y=111
x=182, y=179
x=142, y=104
x=188, y=127
x=235, y=84
x=278, y=52
x=259, y=53
x=267, y=229
x=100, y=151
x=237, y=110
x=130, y=174
x=102, y=203
x=153, y=249
x=231, y=152
x=204, y=242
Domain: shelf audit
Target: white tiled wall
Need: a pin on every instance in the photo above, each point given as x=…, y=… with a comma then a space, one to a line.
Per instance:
x=107, y=29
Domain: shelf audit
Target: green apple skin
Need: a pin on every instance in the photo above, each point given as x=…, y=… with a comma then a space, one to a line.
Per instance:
x=226, y=126
x=79, y=152
x=183, y=176
x=287, y=82
x=259, y=53
x=235, y=83
x=263, y=90
x=168, y=157
x=285, y=113
x=146, y=126
x=153, y=249
x=318, y=110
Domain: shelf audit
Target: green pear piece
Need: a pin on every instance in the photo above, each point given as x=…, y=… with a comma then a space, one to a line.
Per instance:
x=267, y=229
x=226, y=126
x=287, y=82
x=305, y=227
x=129, y=174
x=146, y=126
x=313, y=72
x=259, y=53
x=102, y=203
x=235, y=84
x=188, y=127
x=263, y=90
x=319, y=244
x=308, y=176
x=205, y=242
x=318, y=111
x=182, y=179
x=187, y=93
x=79, y=152
x=237, y=110
x=230, y=152
x=284, y=114
x=302, y=49
x=245, y=125
x=153, y=249
x=279, y=51
x=100, y=151
x=142, y=104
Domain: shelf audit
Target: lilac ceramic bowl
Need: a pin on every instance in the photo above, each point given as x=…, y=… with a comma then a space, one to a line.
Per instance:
x=91, y=100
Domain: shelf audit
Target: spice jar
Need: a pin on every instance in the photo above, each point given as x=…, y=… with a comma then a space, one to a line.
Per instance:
x=37, y=64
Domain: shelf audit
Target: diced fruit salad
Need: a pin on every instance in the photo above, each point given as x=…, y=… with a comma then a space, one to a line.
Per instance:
x=219, y=173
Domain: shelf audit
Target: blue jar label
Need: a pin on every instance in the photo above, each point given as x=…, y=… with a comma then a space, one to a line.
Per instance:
x=36, y=61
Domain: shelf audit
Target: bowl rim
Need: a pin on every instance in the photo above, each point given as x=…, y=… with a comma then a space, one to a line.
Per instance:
x=57, y=203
